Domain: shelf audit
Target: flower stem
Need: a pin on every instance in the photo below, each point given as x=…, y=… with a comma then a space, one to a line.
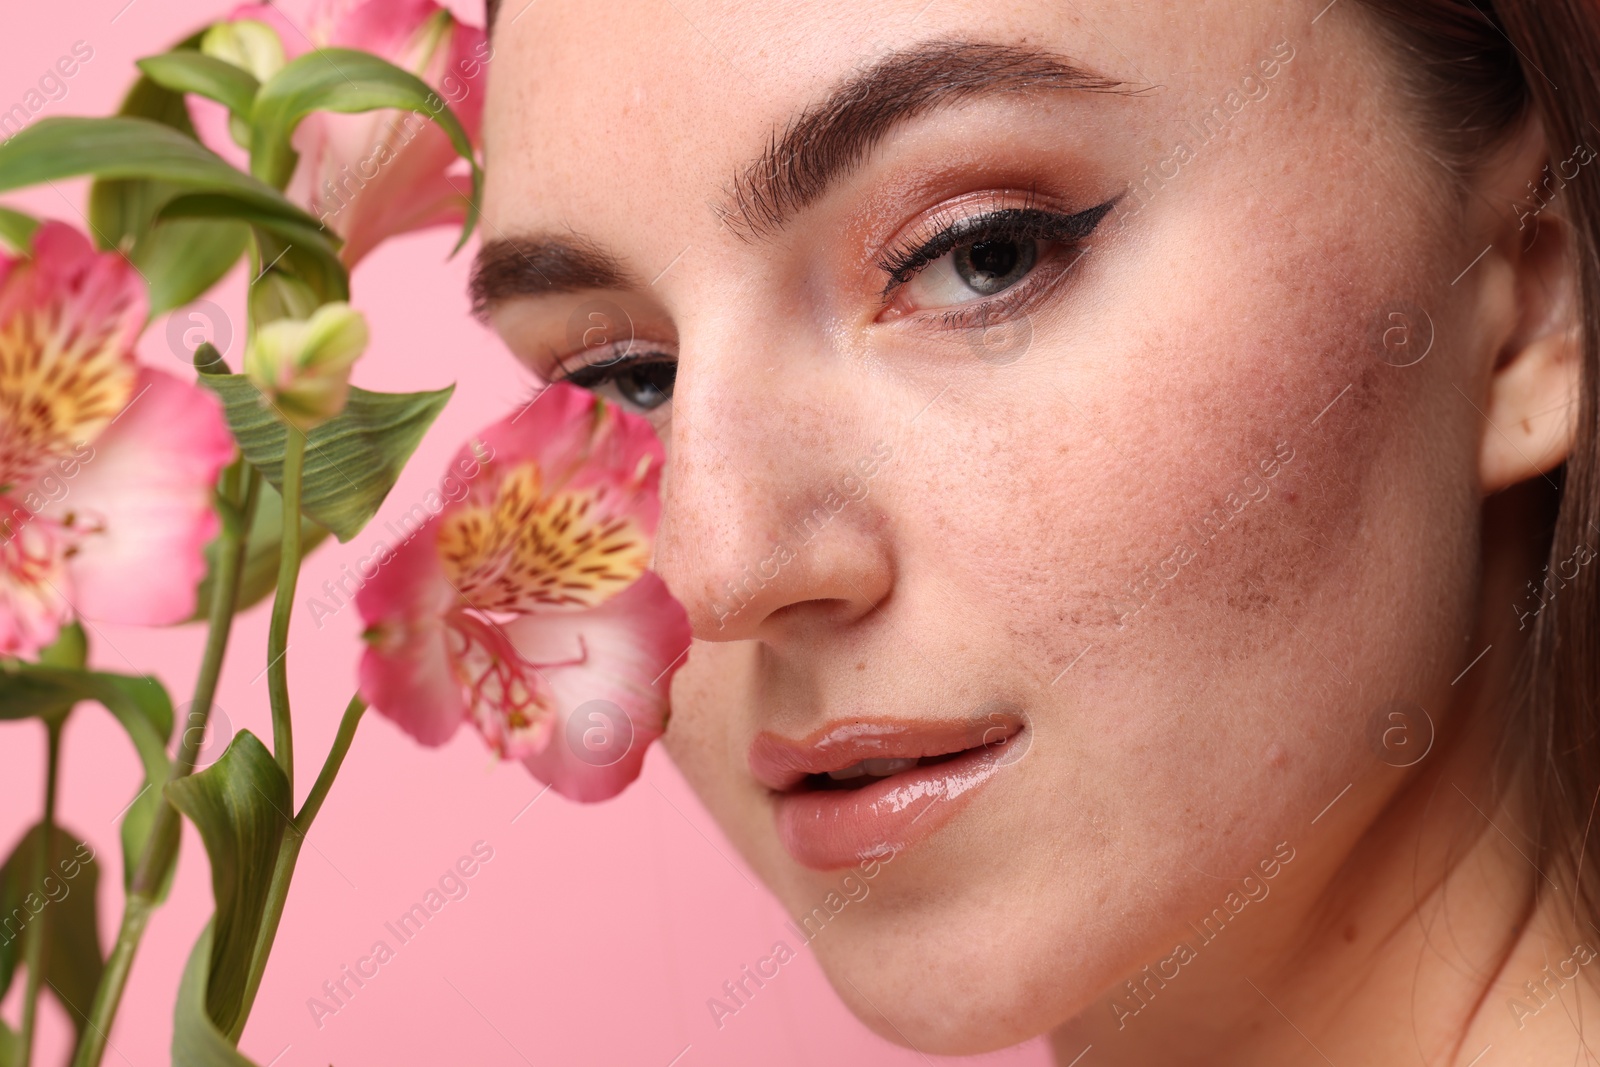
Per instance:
x=41, y=866
x=294, y=457
x=289, y=853
x=241, y=488
x=331, y=765
x=224, y=602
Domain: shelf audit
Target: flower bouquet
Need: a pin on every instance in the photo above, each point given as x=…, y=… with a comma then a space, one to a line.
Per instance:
x=129, y=494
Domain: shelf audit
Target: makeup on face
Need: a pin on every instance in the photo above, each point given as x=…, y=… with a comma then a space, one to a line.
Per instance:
x=862, y=788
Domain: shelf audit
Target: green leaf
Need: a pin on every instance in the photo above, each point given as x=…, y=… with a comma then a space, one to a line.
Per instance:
x=211, y=206
x=120, y=210
x=69, y=649
x=137, y=822
x=280, y=294
x=207, y=360
x=310, y=271
x=10, y=1046
x=184, y=258
x=150, y=700
x=181, y=260
x=140, y=704
x=196, y=1041
x=63, y=905
x=260, y=574
x=352, y=460
x=70, y=147
x=22, y=696
x=344, y=80
x=127, y=695
x=308, y=254
x=28, y=698
x=16, y=230
x=143, y=163
x=240, y=805
x=203, y=75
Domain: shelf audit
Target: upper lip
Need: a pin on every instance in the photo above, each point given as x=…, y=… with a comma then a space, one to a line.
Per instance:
x=781, y=763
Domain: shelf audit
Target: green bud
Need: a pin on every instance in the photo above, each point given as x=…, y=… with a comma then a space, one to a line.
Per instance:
x=251, y=45
x=302, y=366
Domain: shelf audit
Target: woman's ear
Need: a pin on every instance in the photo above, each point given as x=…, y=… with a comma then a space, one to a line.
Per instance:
x=1532, y=394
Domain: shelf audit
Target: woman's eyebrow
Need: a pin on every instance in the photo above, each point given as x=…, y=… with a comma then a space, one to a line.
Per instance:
x=820, y=145
x=830, y=138
x=541, y=265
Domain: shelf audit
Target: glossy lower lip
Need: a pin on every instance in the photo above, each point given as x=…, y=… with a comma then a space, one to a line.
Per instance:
x=827, y=829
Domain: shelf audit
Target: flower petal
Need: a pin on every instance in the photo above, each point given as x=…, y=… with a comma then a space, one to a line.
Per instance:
x=508, y=696
x=140, y=506
x=614, y=704
x=69, y=317
x=35, y=589
x=559, y=508
x=578, y=440
x=406, y=673
x=530, y=551
x=375, y=175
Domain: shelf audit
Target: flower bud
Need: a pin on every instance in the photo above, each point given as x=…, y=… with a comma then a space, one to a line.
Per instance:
x=251, y=45
x=303, y=366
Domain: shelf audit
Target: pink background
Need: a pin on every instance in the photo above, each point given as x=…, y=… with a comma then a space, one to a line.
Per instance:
x=594, y=936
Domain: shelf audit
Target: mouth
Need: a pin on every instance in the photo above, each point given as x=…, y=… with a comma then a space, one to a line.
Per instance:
x=868, y=771
x=865, y=789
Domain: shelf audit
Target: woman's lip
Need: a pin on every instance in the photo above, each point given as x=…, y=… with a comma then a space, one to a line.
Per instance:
x=780, y=763
x=826, y=829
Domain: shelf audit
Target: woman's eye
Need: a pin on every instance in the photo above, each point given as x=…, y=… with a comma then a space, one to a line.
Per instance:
x=983, y=256
x=973, y=270
x=640, y=384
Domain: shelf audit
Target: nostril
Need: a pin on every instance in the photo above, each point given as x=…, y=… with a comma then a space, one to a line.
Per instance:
x=822, y=613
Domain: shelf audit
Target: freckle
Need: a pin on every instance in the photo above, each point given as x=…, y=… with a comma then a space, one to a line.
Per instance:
x=1349, y=933
x=861, y=666
x=1276, y=757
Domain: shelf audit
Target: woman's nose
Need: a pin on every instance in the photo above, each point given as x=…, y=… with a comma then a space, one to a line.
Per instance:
x=770, y=523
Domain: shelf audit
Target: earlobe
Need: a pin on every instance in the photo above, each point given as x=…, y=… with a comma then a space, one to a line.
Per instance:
x=1532, y=411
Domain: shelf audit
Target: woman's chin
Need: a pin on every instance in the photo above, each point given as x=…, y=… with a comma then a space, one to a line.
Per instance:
x=940, y=1002
x=944, y=963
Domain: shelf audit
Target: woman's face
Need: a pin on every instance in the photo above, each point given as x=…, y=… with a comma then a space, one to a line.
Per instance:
x=1071, y=386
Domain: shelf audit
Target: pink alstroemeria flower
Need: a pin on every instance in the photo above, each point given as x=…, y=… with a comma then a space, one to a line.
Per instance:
x=378, y=174
x=525, y=605
x=106, y=467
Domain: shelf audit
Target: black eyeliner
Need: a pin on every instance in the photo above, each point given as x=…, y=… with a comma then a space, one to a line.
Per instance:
x=592, y=374
x=1015, y=223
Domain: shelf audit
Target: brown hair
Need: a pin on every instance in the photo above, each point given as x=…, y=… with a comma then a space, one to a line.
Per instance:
x=1475, y=71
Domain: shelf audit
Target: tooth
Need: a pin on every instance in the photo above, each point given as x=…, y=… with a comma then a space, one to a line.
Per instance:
x=880, y=767
x=853, y=771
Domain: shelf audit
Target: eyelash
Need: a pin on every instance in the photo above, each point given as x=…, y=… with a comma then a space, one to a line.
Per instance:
x=598, y=373
x=1025, y=223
